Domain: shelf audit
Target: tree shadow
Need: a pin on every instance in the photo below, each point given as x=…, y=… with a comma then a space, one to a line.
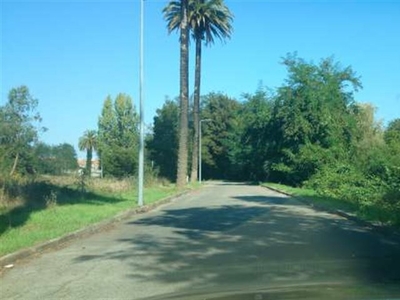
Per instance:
x=40, y=195
x=258, y=241
x=235, y=183
x=204, y=219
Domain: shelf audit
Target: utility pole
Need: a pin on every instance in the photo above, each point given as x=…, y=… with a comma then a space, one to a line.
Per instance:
x=141, y=100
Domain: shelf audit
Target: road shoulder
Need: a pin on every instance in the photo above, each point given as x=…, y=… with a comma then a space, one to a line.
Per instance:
x=383, y=229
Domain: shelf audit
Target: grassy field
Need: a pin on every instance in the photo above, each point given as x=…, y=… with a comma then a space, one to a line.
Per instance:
x=374, y=213
x=64, y=209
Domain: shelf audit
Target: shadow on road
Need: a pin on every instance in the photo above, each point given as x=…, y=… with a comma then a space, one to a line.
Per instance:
x=263, y=241
x=203, y=220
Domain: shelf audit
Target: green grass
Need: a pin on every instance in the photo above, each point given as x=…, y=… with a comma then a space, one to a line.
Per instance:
x=32, y=225
x=374, y=213
x=291, y=190
x=313, y=197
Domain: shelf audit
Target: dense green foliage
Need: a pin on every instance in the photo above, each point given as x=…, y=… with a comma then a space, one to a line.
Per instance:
x=312, y=122
x=21, y=152
x=54, y=160
x=249, y=153
x=118, y=136
x=308, y=132
x=19, y=130
x=163, y=144
x=218, y=136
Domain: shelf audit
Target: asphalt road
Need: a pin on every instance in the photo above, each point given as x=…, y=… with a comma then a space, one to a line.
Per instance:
x=224, y=237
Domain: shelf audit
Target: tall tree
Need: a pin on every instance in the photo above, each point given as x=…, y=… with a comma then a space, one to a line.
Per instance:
x=106, y=130
x=65, y=156
x=252, y=146
x=184, y=87
x=312, y=121
x=88, y=143
x=54, y=160
x=164, y=143
x=392, y=132
x=107, y=123
x=368, y=134
x=219, y=137
x=392, y=138
x=19, y=127
x=118, y=136
x=207, y=19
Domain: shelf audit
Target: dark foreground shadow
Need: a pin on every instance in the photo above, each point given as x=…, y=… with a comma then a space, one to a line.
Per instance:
x=263, y=241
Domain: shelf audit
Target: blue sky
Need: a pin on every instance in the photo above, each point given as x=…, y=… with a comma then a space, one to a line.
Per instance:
x=72, y=54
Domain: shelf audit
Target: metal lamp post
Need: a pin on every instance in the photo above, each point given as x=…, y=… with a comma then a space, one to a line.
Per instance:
x=141, y=79
x=201, y=121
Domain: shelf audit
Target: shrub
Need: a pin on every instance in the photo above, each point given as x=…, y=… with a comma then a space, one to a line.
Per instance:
x=346, y=183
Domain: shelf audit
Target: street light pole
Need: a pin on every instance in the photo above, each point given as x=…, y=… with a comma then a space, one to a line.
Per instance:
x=201, y=121
x=141, y=79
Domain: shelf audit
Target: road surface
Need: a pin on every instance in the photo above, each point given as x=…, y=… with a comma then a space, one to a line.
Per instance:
x=224, y=237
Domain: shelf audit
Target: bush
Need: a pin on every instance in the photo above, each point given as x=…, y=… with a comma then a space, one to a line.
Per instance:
x=376, y=198
x=35, y=192
x=27, y=191
x=346, y=183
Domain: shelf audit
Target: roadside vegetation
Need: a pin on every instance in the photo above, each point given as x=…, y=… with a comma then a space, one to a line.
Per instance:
x=380, y=215
x=49, y=207
x=44, y=194
x=309, y=133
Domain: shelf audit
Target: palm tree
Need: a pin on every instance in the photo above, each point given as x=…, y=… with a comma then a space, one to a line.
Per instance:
x=182, y=14
x=88, y=142
x=207, y=19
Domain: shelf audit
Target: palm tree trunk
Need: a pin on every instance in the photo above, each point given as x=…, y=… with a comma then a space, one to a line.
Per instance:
x=89, y=155
x=184, y=91
x=196, y=112
x=14, y=167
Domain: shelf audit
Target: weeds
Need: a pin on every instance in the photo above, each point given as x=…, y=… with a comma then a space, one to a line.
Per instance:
x=377, y=211
x=111, y=185
x=54, y=206
x=51, y=199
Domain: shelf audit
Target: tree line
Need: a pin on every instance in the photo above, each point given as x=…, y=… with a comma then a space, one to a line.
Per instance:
x=204, y=20
x=308, y=132
x=21, y=151
x=117, y=140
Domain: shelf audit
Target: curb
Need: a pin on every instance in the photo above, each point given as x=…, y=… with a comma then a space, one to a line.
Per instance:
x=11, y=258
x=386, y=230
